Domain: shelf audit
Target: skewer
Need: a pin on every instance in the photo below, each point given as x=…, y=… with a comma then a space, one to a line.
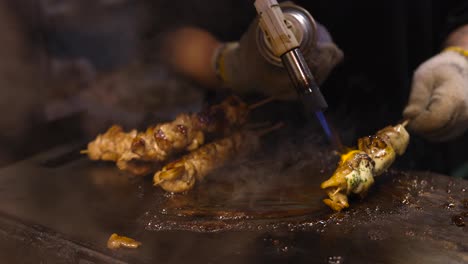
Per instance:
x=269, y=129
x=160, y=141
x=262, y=102
x=405, y=123
x=84, y=151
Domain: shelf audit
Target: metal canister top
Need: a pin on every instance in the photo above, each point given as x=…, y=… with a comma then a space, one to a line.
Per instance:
x=302, y=25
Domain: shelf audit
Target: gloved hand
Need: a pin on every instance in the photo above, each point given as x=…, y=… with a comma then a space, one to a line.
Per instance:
x=242, y=67
x=438, y=103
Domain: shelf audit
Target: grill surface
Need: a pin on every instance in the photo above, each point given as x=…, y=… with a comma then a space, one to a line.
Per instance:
x=61, y=207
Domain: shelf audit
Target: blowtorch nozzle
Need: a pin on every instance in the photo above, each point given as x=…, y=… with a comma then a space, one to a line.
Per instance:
x=308, y=90
x=303, y=81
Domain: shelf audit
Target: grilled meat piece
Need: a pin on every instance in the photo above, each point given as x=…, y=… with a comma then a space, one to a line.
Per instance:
x=161, y=141
x=186, y=132
x=397, y=136
x=380, y=150
x=181, y=175
x=353, y=175
x=357, y=168
x=115, y=241
x=110, y=145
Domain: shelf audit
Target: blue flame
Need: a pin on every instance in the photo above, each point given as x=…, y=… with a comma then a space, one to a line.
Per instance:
x=324, y=124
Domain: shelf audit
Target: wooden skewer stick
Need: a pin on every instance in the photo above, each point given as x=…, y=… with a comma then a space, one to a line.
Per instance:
x=262, y=102
x=405, y=122
x=258, y=125
x=84, y=151
x=270, y=129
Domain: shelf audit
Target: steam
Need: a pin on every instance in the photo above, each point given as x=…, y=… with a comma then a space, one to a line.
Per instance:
x=281, y=179
x=133, y=96
x=280, y=162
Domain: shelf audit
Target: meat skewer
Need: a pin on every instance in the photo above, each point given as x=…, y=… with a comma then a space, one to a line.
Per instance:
x=157, y=143
x=187, y=132
x=181, y=175
x=357, y=168
x=109, y=145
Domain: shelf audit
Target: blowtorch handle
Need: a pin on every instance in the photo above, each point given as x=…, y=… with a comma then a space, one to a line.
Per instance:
x=273, y=24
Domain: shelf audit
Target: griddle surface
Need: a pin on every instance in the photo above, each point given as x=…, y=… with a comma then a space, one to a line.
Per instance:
x=60, y=207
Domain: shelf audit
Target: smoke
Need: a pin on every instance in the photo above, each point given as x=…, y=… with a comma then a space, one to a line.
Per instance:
x=135, y=96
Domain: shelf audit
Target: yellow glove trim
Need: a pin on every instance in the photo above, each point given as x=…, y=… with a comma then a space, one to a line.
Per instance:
x=459, y=50
x=220, y=61
x=221, y=70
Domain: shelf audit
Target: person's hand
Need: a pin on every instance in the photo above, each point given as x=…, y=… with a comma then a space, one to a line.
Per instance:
x=438, y=103
x=242, y=68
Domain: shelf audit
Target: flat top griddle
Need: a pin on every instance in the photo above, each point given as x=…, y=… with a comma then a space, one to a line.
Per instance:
x=59, y=207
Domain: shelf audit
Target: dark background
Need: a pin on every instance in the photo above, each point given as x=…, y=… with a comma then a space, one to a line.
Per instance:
x=118, y=42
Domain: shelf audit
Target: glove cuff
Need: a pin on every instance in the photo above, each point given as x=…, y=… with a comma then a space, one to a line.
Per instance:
x=458, y=50
x=219, y=59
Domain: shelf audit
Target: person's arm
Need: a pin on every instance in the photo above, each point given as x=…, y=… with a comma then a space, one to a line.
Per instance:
x=239, y=65
x=190, y=51
x=458, y=38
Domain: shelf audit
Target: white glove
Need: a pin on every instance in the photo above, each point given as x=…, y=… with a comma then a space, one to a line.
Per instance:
x=242, y=68
x=438, y=104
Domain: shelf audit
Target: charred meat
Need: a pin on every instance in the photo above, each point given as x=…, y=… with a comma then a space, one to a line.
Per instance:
x=357, y=168
x=115, y=241
x=158, y=143
x=181, y=175
x=111, y=144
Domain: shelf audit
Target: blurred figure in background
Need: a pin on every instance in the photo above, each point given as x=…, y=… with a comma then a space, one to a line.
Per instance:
x=70, y=69
x=20, y=82
x=101, y=43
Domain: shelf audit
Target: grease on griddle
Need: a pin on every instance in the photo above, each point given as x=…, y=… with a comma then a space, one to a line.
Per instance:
x=465, y=203
x=62, y=159
x=449, y=205
x=335, y=260
x=279, y=244
x=458, y=220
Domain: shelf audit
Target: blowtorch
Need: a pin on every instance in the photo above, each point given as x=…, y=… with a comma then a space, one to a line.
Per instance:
x=277, y=40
